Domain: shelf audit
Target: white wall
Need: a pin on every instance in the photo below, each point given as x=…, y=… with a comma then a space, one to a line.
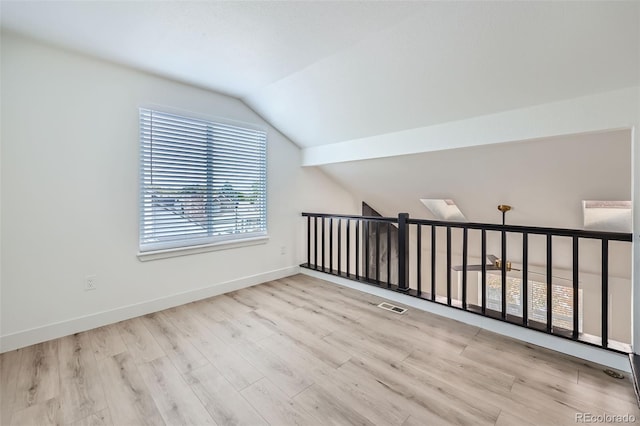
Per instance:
x=69, y=197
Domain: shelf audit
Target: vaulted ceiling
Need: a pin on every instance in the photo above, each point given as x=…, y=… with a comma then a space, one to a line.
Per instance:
x=339, y=78
x=324, y=72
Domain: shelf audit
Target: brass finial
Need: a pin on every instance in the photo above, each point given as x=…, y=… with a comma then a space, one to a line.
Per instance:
x=504, y=208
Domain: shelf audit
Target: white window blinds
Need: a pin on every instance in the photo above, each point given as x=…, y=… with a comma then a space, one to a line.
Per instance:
x=201, y=182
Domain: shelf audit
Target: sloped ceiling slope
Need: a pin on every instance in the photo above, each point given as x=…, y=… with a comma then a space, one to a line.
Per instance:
x=544, y=180
x=457, y=60
x=325, y=72
x=233, y=47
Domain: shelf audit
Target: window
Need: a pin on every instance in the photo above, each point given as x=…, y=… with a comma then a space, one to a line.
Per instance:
x=614, y=216
x=444, y=209
x=562, y=300
x=201, y=182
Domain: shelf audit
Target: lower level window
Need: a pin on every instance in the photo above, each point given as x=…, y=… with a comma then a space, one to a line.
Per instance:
x=201, y=182
x=561, y=299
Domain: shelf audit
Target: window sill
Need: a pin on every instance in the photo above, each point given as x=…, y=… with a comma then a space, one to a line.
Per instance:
x=185, y=251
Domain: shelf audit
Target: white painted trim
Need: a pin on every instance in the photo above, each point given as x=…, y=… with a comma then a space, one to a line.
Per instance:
x=203, y=248
x=600, y=356
x=595, y=113
x=74, y=325
x=635, y=270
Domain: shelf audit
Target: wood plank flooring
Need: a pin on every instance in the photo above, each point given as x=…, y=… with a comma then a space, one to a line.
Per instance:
x=299, y=351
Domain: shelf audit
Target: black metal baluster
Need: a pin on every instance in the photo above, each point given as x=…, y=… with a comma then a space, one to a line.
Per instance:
x=315, y=242
x=504, y=275
x=484, y=271
x=449, y=265
x=367, y=236
x=377, y=252
x=357, y=249
x=323, y=242
x=419, y=258
x=403, y=252
x=309, y=241
x=576, y=276
x=388, y=255
x=464, y=269
x=549, y=284
x=433, y=263
x=331, y=245
x=339, y=246
x=525, y=279
x=348, y=246
x=605, y=293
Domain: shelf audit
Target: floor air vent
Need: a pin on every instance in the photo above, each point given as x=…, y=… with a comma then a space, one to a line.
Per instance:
x=392, y=308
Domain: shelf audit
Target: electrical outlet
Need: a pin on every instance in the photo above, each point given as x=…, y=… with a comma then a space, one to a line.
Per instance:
x=283, y=250
x=90, y=282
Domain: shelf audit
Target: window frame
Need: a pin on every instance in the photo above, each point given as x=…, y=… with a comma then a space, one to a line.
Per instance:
x=184, y=246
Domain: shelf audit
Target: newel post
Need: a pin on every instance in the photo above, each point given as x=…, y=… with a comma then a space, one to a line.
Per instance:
x=403, y=252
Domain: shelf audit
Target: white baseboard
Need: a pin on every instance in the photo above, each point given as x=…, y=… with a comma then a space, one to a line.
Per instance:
x=75, y=325
x=569, y=347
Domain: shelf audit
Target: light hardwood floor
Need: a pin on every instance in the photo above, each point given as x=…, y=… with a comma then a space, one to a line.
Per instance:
x=299, y=351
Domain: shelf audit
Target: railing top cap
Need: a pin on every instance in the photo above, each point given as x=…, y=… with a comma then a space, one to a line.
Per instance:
x=561, y=232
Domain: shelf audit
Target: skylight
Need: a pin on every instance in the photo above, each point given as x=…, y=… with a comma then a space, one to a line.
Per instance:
x=613, y=216
x=444, y=209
